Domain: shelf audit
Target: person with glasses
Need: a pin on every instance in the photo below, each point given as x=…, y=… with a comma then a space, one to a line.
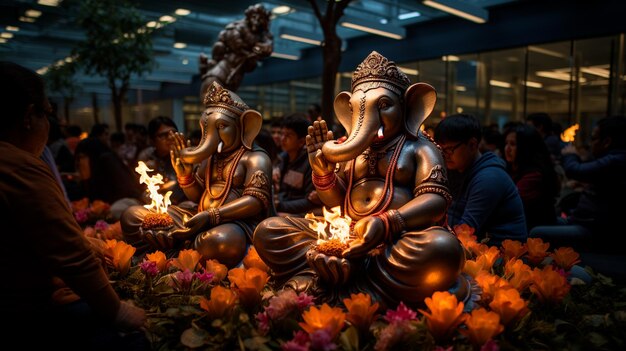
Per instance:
x=483, y=195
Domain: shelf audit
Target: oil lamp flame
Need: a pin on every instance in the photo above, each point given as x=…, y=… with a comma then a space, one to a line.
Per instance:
x=334, y=223
x=569, y=134
x=159, y=202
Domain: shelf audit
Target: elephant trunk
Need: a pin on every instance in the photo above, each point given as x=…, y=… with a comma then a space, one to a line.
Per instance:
x=199, y=153
x=361, y=137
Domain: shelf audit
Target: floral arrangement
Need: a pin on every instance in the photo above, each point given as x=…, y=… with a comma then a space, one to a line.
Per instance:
x=95, y=219
x=529, y=299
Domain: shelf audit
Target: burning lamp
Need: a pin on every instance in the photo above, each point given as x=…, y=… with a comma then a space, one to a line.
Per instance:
x=569, y=134
x=333, y=232
x=158, y=217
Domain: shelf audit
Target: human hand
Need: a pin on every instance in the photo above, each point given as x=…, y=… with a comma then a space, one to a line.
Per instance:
x=318, y=135
x=194, y=225
x=331, y=269
x=569, y=149
x=130, y=317
x=369, y=231
x=181, y=168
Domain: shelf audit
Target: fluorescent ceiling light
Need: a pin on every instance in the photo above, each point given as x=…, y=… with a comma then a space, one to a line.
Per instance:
x=27, y=19
x=13, y=29
x=450, y=58
x=498, y=83
x=151, y=24
x=185, y=61
x=42, y=70
x=388, y=31
x=407, y=15
x=557, y=75
x=6, y=35
x=285, y=56
x=599, y=71
x=182, y=12
x=32, y=13
x=532, y=84
x=281, y=10
x=409, y=71
x=301, y=36
x=2, y=40
x=545, y=51
x=49, y=2
x=167, y=18
x=457, y=8
x=460, y=88
x=180, y=45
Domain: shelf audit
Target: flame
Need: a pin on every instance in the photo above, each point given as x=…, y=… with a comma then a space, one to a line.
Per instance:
x=338, y=226
x=569, y=134
x=159, y=202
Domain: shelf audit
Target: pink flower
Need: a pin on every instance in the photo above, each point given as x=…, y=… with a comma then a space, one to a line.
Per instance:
x=393, y=334
x=304, y=300
x=402, y=313
x=81, y=215
x=263, y=322
x=149, y=268
x=490, y=345
x=101, y=225
x=181, y=280
x=205, y=276
x=321, y=339
x=282, y=304
x=300, y=342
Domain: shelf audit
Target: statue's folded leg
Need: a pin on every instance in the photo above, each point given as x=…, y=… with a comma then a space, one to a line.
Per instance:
x=227, y=243
x=282, y=243
x=417, y=265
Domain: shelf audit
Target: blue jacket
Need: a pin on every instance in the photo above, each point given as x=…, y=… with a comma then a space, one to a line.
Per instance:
x=602, y=204
x=485, y=198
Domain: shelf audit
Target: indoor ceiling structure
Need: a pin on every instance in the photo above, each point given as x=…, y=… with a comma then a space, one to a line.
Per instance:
x=41, y=33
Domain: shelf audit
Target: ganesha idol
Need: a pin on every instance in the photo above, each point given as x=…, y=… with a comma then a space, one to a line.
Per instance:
x=388, y=179
x=227, y=175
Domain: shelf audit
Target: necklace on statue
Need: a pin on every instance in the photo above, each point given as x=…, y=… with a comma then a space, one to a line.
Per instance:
x=220, y=164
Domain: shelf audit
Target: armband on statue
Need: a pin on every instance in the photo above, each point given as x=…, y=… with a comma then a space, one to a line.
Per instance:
x=324, y=182
x=186, y=181
x=214, y=216
x=394, y=224
x=259, y=187
x=436, y=183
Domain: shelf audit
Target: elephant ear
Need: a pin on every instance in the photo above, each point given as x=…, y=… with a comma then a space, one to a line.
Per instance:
x=251, y=122
x=420, y=101
x=342, y=110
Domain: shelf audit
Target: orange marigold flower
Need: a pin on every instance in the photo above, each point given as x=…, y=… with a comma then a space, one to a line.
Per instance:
x=361, y=311
x=479, y=249
x=509, y=305
x=187, y=259
x=99, y=207
x=473, y=267
x=329, y=318
x=565, y=257
x=159, y=258
x=489, y=256
x=549, y=285
x=513, y=249
x=537, y=250
x=121, y=254
x=81, y=204
x=253, y=259
x=219, y=270
x=446, y=313
x=248, y=283
x=518, y=274
x=222, y=302
x=113, y=231
x=482, y=325
x=489, y=284
x=465, y=234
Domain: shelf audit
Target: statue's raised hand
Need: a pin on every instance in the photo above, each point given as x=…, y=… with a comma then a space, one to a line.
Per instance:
x=369, y=231
x=181, y=168
x=318, y=135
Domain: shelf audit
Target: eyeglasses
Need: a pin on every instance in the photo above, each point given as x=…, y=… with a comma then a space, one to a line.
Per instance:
x=450, y=149
x=164, y=135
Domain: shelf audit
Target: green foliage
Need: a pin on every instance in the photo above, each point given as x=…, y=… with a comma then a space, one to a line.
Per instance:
x=60, y=80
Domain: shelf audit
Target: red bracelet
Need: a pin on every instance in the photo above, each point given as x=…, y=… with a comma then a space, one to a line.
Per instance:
x=324, y=182
x=186, y=181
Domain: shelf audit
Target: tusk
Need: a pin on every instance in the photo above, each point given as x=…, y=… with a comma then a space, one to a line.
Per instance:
x=220, y=146
x=380, y=132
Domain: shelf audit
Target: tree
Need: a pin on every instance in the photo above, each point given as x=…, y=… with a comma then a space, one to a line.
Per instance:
x=331, y=50
x=117, y=45
x=60, y=81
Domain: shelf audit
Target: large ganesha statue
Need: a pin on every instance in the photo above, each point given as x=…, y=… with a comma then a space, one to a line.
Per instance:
x=390, y=180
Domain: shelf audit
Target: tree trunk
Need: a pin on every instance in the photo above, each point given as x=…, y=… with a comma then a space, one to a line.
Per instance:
x=66, y=108
x=94, y=106
x=117, y=111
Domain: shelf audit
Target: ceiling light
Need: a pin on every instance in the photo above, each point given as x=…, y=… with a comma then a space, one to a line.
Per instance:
x=6, y=35
x=2, y=40
x=460, y=88
x=27, y=19
x=374, y=28
x=409, y=71
x=42, y=70
x=182, y=12
x=557, y=75
x=151, y=24
x=180, y=45
x=407, y=15
x=301, y=36
x=467, y=11
x=167, y=18
x=450, y=58
x=596, y=71
x=285, y=56
x=383, y=21
x=13, y=29
x=49, y=2
x=545, y=51
x=500, y=84
x=281, y=10
x=32, y=13
x=185, y=61
x=532, y=84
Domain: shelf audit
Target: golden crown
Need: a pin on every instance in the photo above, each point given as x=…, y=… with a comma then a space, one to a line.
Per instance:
x=376, y=68
x=218, y=96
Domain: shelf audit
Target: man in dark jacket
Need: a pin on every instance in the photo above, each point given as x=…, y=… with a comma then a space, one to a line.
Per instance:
x=483, y=195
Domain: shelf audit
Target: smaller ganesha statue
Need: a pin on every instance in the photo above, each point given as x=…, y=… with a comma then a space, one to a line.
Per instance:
x=388, y=183
x=227, y=175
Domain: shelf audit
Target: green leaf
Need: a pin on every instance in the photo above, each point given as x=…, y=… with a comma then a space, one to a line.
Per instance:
x=349, y=339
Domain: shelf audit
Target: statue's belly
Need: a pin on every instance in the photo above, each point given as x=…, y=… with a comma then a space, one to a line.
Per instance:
x=367, y=194
x=213, y=199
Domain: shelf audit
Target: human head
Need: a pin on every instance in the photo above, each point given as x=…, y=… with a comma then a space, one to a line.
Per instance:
x=100, y=131
x=608, y=134
x=459, y=136
x=525, y=149
x=294, y=130
x=117, y=139
x=492, y=140
x=314, y=112
x=159, y=130
x=257, y=18
x=542, y=122
x=276, y=129
x=25, y=108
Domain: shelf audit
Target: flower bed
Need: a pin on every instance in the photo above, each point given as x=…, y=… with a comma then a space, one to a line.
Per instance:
x=529, y=300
